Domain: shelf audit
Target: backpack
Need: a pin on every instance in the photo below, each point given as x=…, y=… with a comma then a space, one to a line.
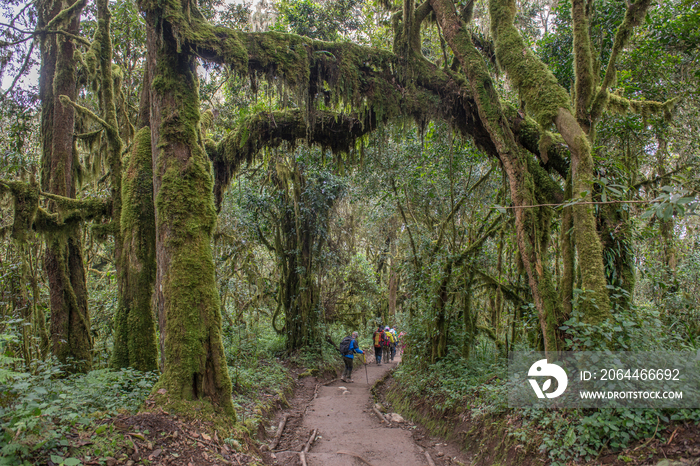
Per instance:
x=385, y=339
x=345, y=346
x=378, y=337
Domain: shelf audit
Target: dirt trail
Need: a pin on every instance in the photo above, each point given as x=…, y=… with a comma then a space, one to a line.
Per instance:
x=346, y=423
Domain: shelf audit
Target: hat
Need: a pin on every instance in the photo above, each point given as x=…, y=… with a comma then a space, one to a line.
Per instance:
x=386, y=328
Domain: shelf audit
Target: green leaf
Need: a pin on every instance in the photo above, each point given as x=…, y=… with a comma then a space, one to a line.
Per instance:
x=72, y=462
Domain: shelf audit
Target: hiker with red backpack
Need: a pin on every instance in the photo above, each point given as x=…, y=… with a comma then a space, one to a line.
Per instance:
x=377, y=338
x=386, y=344
x=348, y=348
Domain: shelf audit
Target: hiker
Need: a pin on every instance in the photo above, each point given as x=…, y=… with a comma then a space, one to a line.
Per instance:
x=394, y=342
x=386, y=344
x=377, y=338
x=348, y=348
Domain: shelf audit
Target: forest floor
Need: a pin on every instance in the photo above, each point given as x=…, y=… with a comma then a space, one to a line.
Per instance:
x=348, y=431
x=333, y=423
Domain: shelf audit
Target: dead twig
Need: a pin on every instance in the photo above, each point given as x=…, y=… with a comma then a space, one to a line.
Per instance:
x=310, y=441
x=650, y=438
x=330, y=382
x=280, y=429
x=380, y=415
x=670, y=439
x=427, y=457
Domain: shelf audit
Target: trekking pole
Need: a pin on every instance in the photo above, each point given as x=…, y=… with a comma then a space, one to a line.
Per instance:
x=364, y=361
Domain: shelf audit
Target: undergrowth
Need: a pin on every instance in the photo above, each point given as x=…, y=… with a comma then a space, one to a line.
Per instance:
x=477, y=388
x=37, y=411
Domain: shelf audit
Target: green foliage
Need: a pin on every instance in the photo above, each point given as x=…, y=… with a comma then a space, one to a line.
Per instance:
x=631, y=329
x=6, y=360
x=330, y=20
x=672, y=202
x=582, y=434
x=455, y=385
x=40, y=409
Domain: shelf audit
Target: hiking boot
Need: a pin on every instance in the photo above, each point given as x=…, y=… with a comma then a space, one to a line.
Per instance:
x=350, y=381
x=343, y=379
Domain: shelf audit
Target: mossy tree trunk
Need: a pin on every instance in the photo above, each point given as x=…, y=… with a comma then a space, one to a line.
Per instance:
x=133, y=219
x=298, y=240
x=70, y=319
x=135, y=334
x=532, y=224
x=568, y=259
x=616, y=236
x=468, y=319
x=550, y=103
x=188, y=303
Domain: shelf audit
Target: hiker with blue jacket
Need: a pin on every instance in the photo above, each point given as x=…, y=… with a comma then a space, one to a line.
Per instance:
x=348, y=348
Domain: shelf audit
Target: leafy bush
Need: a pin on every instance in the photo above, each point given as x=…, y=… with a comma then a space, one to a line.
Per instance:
x=454, y=384
x=583, y=433
x=42, y=408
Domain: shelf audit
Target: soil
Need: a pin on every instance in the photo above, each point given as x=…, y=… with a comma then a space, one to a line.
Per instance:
x=160, y=438
x=348, y=431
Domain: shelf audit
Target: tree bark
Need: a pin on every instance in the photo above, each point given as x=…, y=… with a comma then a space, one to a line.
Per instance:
x=532, y=224
x=63, y=261
x=187, y=297
x=135, y=334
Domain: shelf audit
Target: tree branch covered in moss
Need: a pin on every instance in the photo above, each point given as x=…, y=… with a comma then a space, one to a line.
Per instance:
x=510, y=292
x=344, y=75
x=633, y=18
x=28, y=215
x=334, y=131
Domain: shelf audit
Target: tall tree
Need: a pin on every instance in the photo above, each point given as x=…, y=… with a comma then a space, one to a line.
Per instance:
x=188, y=303
x=70, y=318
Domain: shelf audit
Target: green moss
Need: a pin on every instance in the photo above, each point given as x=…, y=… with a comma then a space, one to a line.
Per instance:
x=646, y=108
x=590, y=251
x=537, y=85
x=26, y=205
x=194, y=362
x=134, y=334
x=583, y=60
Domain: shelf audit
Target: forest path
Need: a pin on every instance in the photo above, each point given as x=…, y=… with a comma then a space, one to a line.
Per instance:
x=349, y=433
